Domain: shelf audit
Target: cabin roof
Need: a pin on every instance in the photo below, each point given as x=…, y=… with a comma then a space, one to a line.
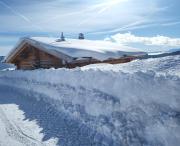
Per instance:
x=75, y=48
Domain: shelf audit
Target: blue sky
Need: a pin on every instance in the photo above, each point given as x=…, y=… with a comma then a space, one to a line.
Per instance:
x=151, y=25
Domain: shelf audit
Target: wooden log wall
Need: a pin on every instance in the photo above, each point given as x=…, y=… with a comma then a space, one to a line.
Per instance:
x=32, y=58
x=81, y=63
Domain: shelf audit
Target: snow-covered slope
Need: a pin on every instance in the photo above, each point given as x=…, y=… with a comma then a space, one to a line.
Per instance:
x=137, y=103
x=171, y=52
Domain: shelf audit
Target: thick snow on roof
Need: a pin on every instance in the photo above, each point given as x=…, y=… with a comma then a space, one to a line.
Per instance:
x=87, y=48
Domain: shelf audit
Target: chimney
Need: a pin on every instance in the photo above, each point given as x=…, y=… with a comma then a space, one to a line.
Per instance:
x=62, y=37
x=81, y=36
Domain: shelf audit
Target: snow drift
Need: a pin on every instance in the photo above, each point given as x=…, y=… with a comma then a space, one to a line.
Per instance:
x=137, y=103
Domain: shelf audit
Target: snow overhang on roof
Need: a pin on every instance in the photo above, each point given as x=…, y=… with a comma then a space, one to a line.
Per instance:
x=74, y=48
x=37, y=45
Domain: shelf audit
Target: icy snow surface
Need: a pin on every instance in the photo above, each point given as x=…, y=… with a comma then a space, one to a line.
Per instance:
x=130, y=104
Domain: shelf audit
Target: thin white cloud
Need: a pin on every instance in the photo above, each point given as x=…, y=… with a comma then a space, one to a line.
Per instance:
x=131, y=26
x=22, y=16
x=14, y=11
x=101, y=8
x=128, y=38
x=140, y=21
x=171, y=23
x=83, y=17
x=108, y=4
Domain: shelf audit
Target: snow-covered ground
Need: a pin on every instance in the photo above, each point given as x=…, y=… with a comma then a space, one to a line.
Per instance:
x=132, y=104
x=5, y=66
x=16, y=130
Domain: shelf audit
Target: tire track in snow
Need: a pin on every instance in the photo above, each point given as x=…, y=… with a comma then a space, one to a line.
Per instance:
x=16, y=133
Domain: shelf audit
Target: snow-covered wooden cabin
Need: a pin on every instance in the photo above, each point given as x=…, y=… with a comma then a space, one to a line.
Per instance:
x=45, y=52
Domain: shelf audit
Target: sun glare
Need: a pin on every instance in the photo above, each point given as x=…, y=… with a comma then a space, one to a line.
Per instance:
x=108, y=4
x=114, y=2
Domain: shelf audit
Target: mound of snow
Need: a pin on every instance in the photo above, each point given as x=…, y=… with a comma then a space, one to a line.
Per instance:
x=165, y=65
x=137, y=103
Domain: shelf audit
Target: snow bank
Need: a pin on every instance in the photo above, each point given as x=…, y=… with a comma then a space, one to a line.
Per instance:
x=124, y=108
x=165, y=65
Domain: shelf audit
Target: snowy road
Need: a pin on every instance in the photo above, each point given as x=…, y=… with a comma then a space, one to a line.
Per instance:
x=12, y=128
x=16, y=131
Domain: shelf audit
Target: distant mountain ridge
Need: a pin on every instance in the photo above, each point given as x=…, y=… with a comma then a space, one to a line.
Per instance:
x=170, y=52
x=174, y=50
